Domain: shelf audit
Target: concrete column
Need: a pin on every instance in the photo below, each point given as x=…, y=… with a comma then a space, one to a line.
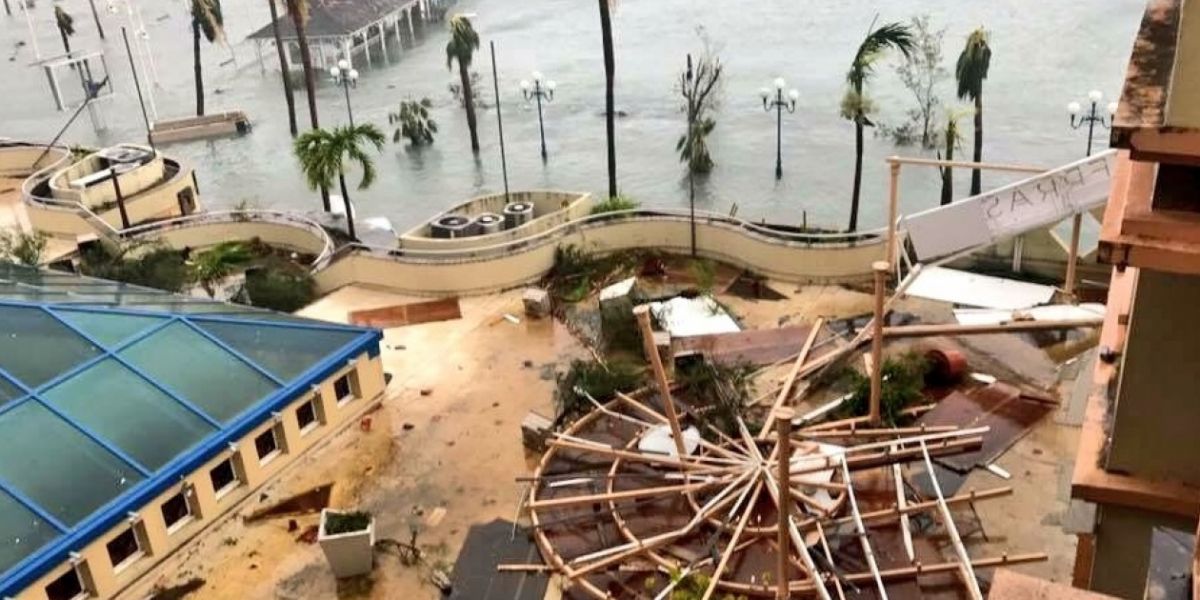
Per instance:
x=204, y=497
x=396, y=29
x=366, y=44
x=155, y=540
x=321, y=52
x=408, y=17
x=346, y=48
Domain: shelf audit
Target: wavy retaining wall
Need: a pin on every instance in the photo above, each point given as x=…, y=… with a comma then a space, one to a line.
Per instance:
x=512, y=265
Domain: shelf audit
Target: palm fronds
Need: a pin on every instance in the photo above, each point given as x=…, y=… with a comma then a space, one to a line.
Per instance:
x=890, y=35
x=464, y=41
x=973, y=63
x=207, y=14
x=64, y=21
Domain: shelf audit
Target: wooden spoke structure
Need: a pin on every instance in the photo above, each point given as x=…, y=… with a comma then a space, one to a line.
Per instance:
x=616, y=515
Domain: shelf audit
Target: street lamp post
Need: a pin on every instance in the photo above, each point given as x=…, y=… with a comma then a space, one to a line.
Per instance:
x=346, y=76
x=539, y=91
x=779, y=104
x=1091, y=119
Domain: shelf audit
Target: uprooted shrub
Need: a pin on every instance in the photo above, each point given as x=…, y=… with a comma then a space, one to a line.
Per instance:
x=590, y=378
x=576, y=272
x=719, y=394
x=903, y=380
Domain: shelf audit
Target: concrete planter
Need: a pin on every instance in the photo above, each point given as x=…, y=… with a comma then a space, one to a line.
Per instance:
x=349, y=554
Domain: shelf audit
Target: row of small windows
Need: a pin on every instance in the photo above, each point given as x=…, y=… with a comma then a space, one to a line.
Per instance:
x=177, y=511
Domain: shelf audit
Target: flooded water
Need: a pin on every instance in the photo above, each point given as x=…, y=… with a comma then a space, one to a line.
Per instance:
x=1045, y=55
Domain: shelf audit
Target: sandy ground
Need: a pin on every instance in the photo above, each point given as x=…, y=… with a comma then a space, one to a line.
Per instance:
x=462, y=453
x=448, y=436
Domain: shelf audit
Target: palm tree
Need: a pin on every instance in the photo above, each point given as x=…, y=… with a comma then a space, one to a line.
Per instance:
x=323, y=153
x=461, y=47
x=206, y=19
x=971, y=70
x=212, y=266
x=66, y=26
x=953, y=138
x=610, y=69
x=283, y=69
x=856, y=106
x=298, y=11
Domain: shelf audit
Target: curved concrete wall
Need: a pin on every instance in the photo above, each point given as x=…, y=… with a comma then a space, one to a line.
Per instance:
x=18, y=160
x=551, y=209
x=520, y=265
x=202, y=234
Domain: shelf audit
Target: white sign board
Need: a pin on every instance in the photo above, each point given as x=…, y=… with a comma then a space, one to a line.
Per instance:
x=1033, y=203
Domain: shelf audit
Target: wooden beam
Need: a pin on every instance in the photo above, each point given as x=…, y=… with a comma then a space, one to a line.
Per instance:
x=932, y=162
x=862, y=531
x=967, y=573
x=786, y=390
x=733, y=541
x=890, y=514
x=1073, y=256
x=906, y=331
x=893, y=208
x=901, y=504
x=642, y=312
x=783, y=418
x=881, y=270
x=664, y=490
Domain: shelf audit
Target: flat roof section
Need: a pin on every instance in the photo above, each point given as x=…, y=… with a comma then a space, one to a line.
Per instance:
x=103, y=408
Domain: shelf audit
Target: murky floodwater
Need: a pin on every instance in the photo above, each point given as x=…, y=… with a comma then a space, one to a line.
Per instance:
x=1045, y=54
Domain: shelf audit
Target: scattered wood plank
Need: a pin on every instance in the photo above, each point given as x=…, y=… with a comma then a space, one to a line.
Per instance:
x=445, y=309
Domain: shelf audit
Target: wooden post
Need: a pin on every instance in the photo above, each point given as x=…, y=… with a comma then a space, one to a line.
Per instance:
x=893, y=208
x=642, y=313
x=783, y=425
x=881, y=271
x=1072, y=258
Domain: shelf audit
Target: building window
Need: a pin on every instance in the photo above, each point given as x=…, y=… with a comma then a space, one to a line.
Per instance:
x=177, y=511
x=67, y=587
x=124, y=549
x=267, y=445
x=306, y=416
x=342, y=390
x=224, y=477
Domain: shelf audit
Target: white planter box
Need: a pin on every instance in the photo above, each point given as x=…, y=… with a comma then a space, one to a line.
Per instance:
x=349, y=554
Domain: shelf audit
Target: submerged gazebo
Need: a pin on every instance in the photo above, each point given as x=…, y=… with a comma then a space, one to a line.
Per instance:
x=342, y=28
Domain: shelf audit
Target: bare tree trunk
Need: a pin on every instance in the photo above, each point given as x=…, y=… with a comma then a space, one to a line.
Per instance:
x=469, y=101
x=95, y=17
x=310, y=78
x=283, y=69
x=976, y=183
x=609, y=72
x=66, y=42
x=948, y=172
x=196, y=68
x=858, y=160
x=346, y=204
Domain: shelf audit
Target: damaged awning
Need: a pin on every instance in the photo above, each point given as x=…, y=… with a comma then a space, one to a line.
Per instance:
x=973, y=289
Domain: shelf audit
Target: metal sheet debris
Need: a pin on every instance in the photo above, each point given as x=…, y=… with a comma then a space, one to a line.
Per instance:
x=683, y=317
x=973, y=289
x=1033, y=203
x=1053, y=312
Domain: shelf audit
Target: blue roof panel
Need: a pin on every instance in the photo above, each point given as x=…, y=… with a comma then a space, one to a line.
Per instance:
x=59, y=468
x=129, y=412
x=109, y=406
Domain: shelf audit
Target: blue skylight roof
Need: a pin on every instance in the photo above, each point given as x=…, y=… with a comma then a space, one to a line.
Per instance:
x=103, y=408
